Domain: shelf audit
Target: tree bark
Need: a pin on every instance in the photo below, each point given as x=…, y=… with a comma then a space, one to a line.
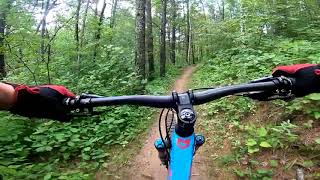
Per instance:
x=98, y=33
x=163, y=38
x=168, y=39
x=178, y=39
x=2, y=52
x=84, y=24
x=192, y=50
x=222, y=10
x=188, y=34
x=140, y=36
x=113, y=13
x=149, y=40
x=76, y=33
x=173, y=33
x=48, y=63
x=45, y=7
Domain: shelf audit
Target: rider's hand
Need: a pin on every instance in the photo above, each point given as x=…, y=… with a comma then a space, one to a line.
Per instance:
x=41, y=101
x=307, y=77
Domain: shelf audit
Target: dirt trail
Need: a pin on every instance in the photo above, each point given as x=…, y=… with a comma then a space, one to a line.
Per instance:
x=146, y=164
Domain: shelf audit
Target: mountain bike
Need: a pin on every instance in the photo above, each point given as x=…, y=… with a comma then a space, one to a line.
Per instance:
x=178, y=146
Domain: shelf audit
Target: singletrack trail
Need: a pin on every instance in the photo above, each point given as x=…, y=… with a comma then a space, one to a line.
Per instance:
x=146, y=164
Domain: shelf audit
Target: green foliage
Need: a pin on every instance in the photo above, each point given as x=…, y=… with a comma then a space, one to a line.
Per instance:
x=243, y=42
x=273, y=163
x=239, y=58
x=254, y=174
x=28, y=146
x=258, y=138
x=309, y=105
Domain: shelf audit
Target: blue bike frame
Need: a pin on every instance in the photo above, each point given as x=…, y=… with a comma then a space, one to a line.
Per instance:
x=181, y=156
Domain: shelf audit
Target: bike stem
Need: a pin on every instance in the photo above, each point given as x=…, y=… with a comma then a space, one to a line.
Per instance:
x=186, y=114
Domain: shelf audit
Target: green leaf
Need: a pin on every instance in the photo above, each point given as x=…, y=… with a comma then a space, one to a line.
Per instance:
x=74, y=130
x=47, y=176
x=48, y=148
x=60, y=137
x=308, y=164
x=317, y=140
x=40, y=149
x=262, y=132
x=273, y=163
x=71, y=144
x=87, y=149
x=265, y=172
x=252, y=150
x=315, y=96
x=265, y=144
x=239, y=173
x=316, y=115
x=120, y=121
x=85, y=156
x=251, y=142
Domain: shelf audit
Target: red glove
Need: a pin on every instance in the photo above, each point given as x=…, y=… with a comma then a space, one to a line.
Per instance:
x=41, y=101
x=307, y=77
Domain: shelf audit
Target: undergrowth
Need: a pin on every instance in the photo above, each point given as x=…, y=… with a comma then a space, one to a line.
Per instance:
x=36, y=149
x=254, y=145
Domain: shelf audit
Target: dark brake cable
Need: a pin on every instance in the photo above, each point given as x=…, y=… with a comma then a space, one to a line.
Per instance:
x=160, y=132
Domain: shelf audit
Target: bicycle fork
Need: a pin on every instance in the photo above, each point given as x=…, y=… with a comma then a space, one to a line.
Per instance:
x=162, y=152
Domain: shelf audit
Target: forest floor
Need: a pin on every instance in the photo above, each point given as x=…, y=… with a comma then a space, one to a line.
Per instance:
x=146, y=164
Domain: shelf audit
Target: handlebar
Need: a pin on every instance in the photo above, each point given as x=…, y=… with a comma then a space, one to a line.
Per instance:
x=142, y=100
x=269, y=84
x=213, y=94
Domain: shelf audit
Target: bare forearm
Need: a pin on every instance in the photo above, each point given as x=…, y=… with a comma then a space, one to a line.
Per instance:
x=6, y=96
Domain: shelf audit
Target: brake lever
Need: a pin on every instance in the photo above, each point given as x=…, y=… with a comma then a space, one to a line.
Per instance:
x=85, y=114
x=263, y=96
x=87, y=95
x=282, y=93
x=81, y=111
x=263, y=79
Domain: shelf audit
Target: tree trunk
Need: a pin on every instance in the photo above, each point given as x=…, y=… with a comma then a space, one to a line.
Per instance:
x=168, y=39
x=242, y=20
x=84, y=24
x=113, y=13
x=149, y=40
x=45, y=7
x=188, y=34
x=2, y=52
x=192, y=50
x=179, y=45
x=163, y=38
x=140, y=35
x=98, y=33
x=76, y=32
x=48, y=63
x=222, y=10
x=173, y=33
